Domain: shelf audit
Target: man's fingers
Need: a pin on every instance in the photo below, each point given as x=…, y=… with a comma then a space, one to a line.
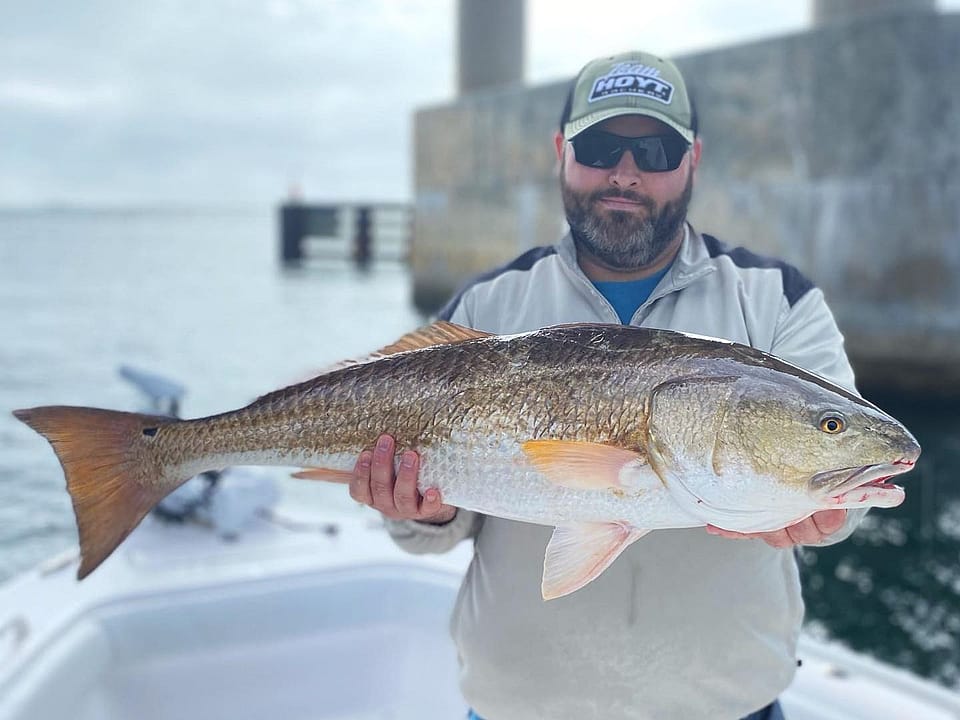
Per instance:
x=731, y=534
x=406, y=496
x=382, y=476
x=778, y=539
x=775, y=538
x=360, y=482
x=411, y=505
x=829, y=521
x=810, y=531
x=804, y=532
x=431, y=503
x=394, y=491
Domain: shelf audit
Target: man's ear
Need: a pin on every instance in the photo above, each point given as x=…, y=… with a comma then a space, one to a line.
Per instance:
x=559, y=142
x=695, y=151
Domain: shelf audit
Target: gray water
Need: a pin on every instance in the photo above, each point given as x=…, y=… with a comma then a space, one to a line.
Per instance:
x=199, y=297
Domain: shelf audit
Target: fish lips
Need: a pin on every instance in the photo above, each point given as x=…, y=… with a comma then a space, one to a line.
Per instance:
x=862, y=486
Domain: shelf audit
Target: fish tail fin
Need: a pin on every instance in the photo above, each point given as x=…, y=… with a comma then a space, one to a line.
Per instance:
x=112, y=473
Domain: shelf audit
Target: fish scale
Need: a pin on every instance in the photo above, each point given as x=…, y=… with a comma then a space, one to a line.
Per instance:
x=604, y=431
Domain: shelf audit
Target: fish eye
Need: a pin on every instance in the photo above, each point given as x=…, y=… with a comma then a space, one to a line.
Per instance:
x=831, y=423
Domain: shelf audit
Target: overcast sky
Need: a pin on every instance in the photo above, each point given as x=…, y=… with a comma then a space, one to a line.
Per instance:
x=232, y=102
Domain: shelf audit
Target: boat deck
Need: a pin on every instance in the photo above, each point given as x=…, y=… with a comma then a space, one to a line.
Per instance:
x=292, y=619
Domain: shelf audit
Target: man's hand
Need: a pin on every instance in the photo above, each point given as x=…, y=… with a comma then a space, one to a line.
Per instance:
x=815, y=529
x=395, y=494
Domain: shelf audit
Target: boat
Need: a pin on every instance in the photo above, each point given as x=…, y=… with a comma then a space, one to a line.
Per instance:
x=231, y=602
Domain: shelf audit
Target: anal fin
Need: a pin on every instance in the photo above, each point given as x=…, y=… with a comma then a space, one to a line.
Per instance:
x=326, y=474
x=577, y=554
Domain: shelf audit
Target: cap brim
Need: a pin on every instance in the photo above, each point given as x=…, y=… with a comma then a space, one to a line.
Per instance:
x=575, y=127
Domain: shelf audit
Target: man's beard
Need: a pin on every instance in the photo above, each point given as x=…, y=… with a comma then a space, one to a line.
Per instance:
x=621, y=239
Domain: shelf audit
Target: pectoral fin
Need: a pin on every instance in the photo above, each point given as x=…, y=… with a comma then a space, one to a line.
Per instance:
x=576, y=554
x=591, y=466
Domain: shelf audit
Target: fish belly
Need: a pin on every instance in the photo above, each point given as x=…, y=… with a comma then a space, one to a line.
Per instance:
x=493, y=476
x=490, y=474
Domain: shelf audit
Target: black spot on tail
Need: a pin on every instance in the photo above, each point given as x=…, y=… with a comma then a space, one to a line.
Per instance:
x=150, y=432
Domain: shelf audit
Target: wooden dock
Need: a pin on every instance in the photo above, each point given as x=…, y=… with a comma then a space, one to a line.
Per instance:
x=361, y=232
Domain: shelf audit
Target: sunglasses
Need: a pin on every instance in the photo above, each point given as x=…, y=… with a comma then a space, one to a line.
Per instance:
x=651, y=153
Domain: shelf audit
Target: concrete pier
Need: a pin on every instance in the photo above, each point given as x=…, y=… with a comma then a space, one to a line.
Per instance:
x=490, y=44
x=826, y=12
x=835, y=149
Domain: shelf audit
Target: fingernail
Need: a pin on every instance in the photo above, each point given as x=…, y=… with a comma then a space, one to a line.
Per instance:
x=408, y=459
x=365, y=459
x=431, y=496
x=383, y=443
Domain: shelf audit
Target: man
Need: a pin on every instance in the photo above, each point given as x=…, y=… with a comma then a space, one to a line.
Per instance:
x=684, y=624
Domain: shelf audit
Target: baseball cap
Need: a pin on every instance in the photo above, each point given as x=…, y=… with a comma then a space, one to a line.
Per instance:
x=631, y=83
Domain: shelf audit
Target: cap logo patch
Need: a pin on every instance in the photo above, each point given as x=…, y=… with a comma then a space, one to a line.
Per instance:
x=632, y=79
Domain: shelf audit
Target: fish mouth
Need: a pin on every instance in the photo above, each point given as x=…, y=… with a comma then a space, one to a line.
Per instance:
x=867, y=484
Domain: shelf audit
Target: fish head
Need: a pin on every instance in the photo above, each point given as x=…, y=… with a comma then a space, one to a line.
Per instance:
x=758, y=451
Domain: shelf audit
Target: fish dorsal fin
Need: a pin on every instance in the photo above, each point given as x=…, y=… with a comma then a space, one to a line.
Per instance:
x=439, y=333
x=577, y=554
x=591, y=466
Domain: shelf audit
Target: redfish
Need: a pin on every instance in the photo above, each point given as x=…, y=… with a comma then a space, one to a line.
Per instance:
x=605, y=432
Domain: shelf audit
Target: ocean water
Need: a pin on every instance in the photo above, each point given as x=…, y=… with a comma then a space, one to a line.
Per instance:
x=200, y=297
x=893, y=588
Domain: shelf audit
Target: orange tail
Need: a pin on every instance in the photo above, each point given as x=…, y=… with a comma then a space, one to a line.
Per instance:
x=111, y=475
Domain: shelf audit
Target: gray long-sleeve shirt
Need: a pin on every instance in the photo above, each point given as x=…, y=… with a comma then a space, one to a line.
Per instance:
x=683, y=624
